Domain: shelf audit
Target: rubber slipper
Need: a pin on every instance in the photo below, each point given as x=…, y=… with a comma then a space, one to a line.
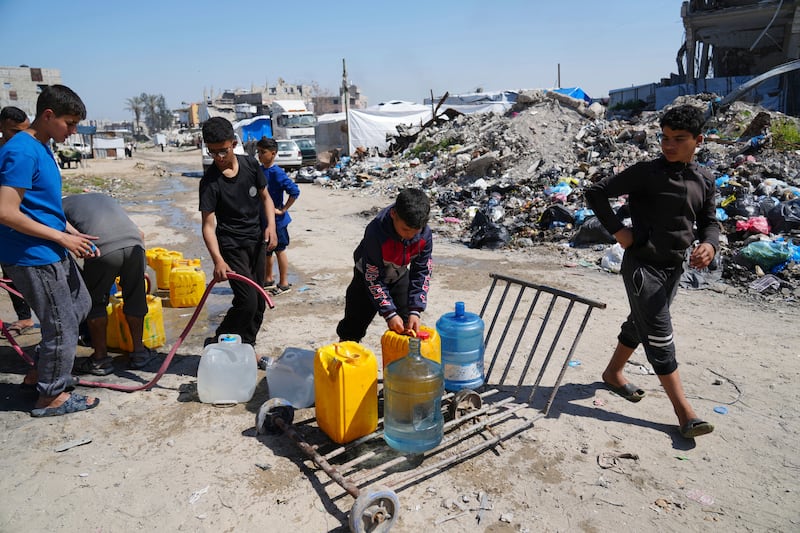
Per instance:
x=139, y=360
x=629, y=391
x=696, y=427
x=75, y=403
x=280, y=289
x=268, y=285
x=89, y=365
x=17, y=330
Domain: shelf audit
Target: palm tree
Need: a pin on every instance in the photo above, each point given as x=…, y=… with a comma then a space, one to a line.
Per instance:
x=150, y=105
x=136, y=106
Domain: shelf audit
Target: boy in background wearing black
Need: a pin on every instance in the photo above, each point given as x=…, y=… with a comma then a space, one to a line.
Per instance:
x=667, y=197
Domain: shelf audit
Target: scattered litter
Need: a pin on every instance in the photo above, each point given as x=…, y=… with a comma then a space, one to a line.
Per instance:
x=304, y=288
x=83, y=474
x=264, y=466
x=612, y=461
x=447, y=518
x=700, y=497
x=195, y=497
x=507, y=517
x=721, y=409
x=323, y=277
x=484, y=506
x=599, y=402
x=681, y=458
x=72, y=444
x=770, y=281
x=574, y=363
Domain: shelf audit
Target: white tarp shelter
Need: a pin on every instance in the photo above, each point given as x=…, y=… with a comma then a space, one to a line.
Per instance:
x=368, y=127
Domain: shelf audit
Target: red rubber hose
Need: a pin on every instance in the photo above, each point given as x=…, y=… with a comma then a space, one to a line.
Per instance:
x=181, y=337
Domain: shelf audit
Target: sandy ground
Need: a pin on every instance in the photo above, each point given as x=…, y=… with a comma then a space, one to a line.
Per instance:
x=159, y=460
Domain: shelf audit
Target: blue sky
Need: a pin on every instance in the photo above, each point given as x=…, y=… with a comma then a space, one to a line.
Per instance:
x=110, y=51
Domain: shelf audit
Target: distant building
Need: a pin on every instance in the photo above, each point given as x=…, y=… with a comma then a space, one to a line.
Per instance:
x=240, y=104
x=21, y=86
x=334, y=104
x=729, y=42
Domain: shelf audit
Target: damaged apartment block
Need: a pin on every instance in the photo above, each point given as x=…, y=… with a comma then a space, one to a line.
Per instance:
x=729, y=43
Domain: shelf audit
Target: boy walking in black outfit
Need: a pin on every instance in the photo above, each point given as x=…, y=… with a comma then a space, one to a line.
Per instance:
x=233, y=192
x=667, y=197
x=392, y=269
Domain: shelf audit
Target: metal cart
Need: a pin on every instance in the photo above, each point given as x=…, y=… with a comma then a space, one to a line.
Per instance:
x=527, y=327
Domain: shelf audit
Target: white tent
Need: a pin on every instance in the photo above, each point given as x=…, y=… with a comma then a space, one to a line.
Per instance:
x=368, y=127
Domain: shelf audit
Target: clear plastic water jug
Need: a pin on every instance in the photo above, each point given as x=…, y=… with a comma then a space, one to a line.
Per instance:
x=461, y=333
x=227, y=372
x=291, y=377
x=412, y=402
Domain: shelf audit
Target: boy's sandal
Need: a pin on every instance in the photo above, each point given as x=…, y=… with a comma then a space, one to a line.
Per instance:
x=280, y=289
x=75, y=402
x=269, y=285
x=139, y=360
x=88, y=365
x=16, y=329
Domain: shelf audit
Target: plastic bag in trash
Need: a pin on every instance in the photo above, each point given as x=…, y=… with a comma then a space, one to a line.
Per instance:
x=592, y=232
x=766, y=254
x=612, y=259
x=753, y=225
x=785, y=216
x=554, y=216
x=487, y=234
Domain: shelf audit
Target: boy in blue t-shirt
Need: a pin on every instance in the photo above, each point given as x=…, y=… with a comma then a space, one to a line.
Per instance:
x=277, y=183
x=35, y=245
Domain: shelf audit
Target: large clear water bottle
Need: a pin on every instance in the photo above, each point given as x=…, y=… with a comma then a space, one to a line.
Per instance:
x=227, y=372
x=461, y=333
x=412, y=402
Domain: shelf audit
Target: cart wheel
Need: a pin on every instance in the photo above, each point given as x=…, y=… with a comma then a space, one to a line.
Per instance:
x=375, y=510
x=271, y=409
x=463, y=402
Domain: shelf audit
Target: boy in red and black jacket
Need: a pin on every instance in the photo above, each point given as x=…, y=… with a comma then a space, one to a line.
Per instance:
x=392, y=269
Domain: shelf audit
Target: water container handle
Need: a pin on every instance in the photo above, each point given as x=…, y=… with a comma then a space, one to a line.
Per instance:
x=460, y=309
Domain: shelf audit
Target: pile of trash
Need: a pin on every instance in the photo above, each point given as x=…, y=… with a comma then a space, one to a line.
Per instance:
x=516, y=181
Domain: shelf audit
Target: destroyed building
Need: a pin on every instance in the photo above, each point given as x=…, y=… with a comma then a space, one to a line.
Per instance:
x=729, y=42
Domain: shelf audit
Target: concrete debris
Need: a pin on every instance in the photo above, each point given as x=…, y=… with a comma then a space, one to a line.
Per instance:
x=516, y=180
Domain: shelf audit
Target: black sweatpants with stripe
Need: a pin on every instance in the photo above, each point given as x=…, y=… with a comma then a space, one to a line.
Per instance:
x=650, y=292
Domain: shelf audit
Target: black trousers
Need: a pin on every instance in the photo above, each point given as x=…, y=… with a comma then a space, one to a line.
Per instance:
x=359, y=309
x=247, y=309
x=650, y=292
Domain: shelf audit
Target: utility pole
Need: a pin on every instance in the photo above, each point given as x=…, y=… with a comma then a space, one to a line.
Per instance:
x=346, y=102
x=559, y=76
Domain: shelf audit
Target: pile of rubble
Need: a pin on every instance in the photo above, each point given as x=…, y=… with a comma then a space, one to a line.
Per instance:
x=516, y=181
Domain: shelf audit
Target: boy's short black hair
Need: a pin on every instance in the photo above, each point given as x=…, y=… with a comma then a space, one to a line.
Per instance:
x=684, y=117
x=61, y=100
x=13, y=114
x=217, y=130
x=413, y=207
x=265, y=143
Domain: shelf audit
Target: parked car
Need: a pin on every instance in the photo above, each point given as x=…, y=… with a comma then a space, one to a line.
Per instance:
x=289, y=155
x=308, y=148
